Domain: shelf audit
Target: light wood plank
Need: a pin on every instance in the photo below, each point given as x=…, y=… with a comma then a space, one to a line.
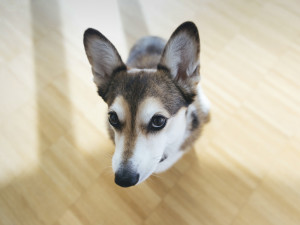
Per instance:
x=55, y=154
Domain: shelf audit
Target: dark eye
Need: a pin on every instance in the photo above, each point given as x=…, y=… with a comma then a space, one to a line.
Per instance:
x=113, y=119
x=158, y=122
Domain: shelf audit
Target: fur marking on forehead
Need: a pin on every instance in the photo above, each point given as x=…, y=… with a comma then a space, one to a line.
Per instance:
x=136, y=87
x=136, y=70
x=149, y=107
x=119, y=106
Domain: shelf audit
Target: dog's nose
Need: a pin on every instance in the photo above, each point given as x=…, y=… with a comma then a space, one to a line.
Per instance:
x=126, y=178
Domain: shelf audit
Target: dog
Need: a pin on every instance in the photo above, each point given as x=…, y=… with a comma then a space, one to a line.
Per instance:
x=156, y=106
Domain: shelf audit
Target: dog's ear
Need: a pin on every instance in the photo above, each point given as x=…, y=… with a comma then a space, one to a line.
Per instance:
x=103, y=57
x=181, y=57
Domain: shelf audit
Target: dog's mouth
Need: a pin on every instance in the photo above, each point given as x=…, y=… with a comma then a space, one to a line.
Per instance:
x=163, y=158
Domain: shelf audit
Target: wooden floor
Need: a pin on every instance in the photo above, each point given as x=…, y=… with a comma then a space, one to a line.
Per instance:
x=55, y=155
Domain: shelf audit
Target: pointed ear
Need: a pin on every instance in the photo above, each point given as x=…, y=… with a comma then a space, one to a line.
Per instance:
x=103, y=57
x=181, y=54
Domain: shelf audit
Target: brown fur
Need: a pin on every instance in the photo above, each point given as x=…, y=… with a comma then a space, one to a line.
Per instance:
x=173, y=90
x=195, y=134
x=146, y=53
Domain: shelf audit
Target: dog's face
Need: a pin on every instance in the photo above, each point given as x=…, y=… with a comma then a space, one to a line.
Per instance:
x=146, y=113
x=146, y=107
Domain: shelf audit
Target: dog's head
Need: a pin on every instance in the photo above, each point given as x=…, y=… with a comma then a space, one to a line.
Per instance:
x=147, y=107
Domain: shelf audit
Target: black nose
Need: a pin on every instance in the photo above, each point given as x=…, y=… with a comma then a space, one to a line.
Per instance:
x=126, y=178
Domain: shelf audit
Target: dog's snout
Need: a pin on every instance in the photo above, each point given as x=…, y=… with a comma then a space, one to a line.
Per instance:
x=126, y=178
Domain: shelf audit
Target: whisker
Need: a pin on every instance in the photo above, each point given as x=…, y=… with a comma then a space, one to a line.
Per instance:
x=108, y=170
x=156, y=175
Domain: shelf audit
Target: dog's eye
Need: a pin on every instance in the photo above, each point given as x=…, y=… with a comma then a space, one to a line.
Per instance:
x=113, y=119
x=158, y=122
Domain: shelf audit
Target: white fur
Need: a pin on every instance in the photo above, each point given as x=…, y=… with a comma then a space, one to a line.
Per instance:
x=175, y=138
x=149, y=108
x=117, y=157
x=118, y=107
x=147, y=154
x=150, y=148
x=204, y=102
x=136, y=70
x=168, y=163
x=174, y=156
